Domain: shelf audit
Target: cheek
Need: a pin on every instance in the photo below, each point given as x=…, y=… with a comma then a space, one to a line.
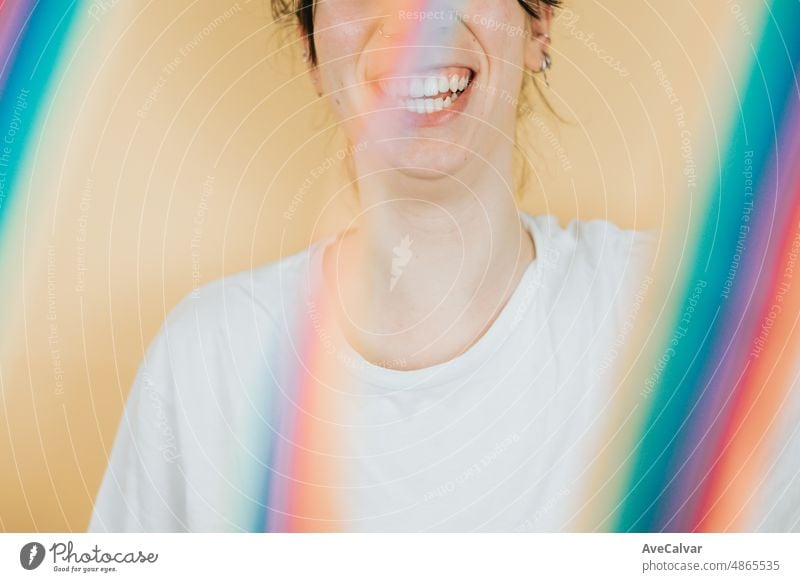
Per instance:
x=341, y=31
x=500, y=28
x=335, y=51
x=338, y=51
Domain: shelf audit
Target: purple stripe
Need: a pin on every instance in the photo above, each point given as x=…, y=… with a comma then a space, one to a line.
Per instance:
x=729, y=356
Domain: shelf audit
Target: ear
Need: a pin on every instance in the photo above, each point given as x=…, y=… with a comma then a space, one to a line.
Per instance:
x=537, y=42
x=311, y=67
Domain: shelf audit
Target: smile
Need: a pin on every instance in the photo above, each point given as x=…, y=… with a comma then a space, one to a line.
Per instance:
x=435, y=91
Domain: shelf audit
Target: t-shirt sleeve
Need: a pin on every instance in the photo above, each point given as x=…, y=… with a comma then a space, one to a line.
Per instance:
x=629, y=257
x=636, y=252
x=143, y=489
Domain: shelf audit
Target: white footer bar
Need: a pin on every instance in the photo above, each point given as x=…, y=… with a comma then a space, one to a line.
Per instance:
x=401, y=557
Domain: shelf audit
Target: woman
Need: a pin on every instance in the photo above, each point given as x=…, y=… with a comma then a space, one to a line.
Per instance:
x=441, y=365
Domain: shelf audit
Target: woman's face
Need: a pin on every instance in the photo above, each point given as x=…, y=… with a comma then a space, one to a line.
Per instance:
x=425, y=86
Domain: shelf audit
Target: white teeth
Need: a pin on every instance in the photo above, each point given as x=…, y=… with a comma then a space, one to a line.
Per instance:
x=454, y=83
x=424, y=106
x=421, y=87
x=431, y=86
x=429, y=94
x=416, y=89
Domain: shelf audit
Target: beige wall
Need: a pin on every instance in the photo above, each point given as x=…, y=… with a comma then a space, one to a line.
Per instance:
x=153, y=195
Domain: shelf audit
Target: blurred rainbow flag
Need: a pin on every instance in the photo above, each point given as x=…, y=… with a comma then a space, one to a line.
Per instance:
x=729, y=352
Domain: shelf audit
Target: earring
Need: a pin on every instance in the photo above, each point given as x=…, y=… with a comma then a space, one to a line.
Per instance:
x=547, y=63
x=547, y=60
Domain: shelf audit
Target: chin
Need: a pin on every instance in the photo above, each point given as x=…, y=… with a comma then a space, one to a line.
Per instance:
x=423, y=159
x=423, y=154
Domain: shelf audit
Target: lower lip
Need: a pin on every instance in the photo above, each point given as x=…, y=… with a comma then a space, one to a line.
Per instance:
x=437, y=117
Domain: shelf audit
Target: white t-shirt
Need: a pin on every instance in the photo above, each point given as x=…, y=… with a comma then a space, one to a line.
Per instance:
x=251, y=413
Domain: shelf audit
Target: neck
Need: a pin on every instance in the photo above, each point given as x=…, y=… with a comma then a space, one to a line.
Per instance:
x=429, y=261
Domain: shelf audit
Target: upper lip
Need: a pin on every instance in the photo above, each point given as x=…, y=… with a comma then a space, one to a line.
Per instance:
x=422, y=72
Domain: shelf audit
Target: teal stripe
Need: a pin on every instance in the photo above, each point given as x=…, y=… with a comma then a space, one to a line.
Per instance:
x=25, y=91
x=770, y=83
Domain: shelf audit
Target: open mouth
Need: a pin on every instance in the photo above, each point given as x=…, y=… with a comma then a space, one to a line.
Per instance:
x=435, y=91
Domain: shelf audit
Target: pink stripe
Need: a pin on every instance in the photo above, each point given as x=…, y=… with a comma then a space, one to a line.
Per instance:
x=13, y=16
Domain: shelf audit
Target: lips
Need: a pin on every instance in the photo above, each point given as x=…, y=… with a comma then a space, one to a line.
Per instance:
x=424, y=94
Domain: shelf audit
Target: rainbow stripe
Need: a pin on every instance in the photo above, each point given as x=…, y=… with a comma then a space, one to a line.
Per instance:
x=32, y=43
x=733, y=345
x=301, y=491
